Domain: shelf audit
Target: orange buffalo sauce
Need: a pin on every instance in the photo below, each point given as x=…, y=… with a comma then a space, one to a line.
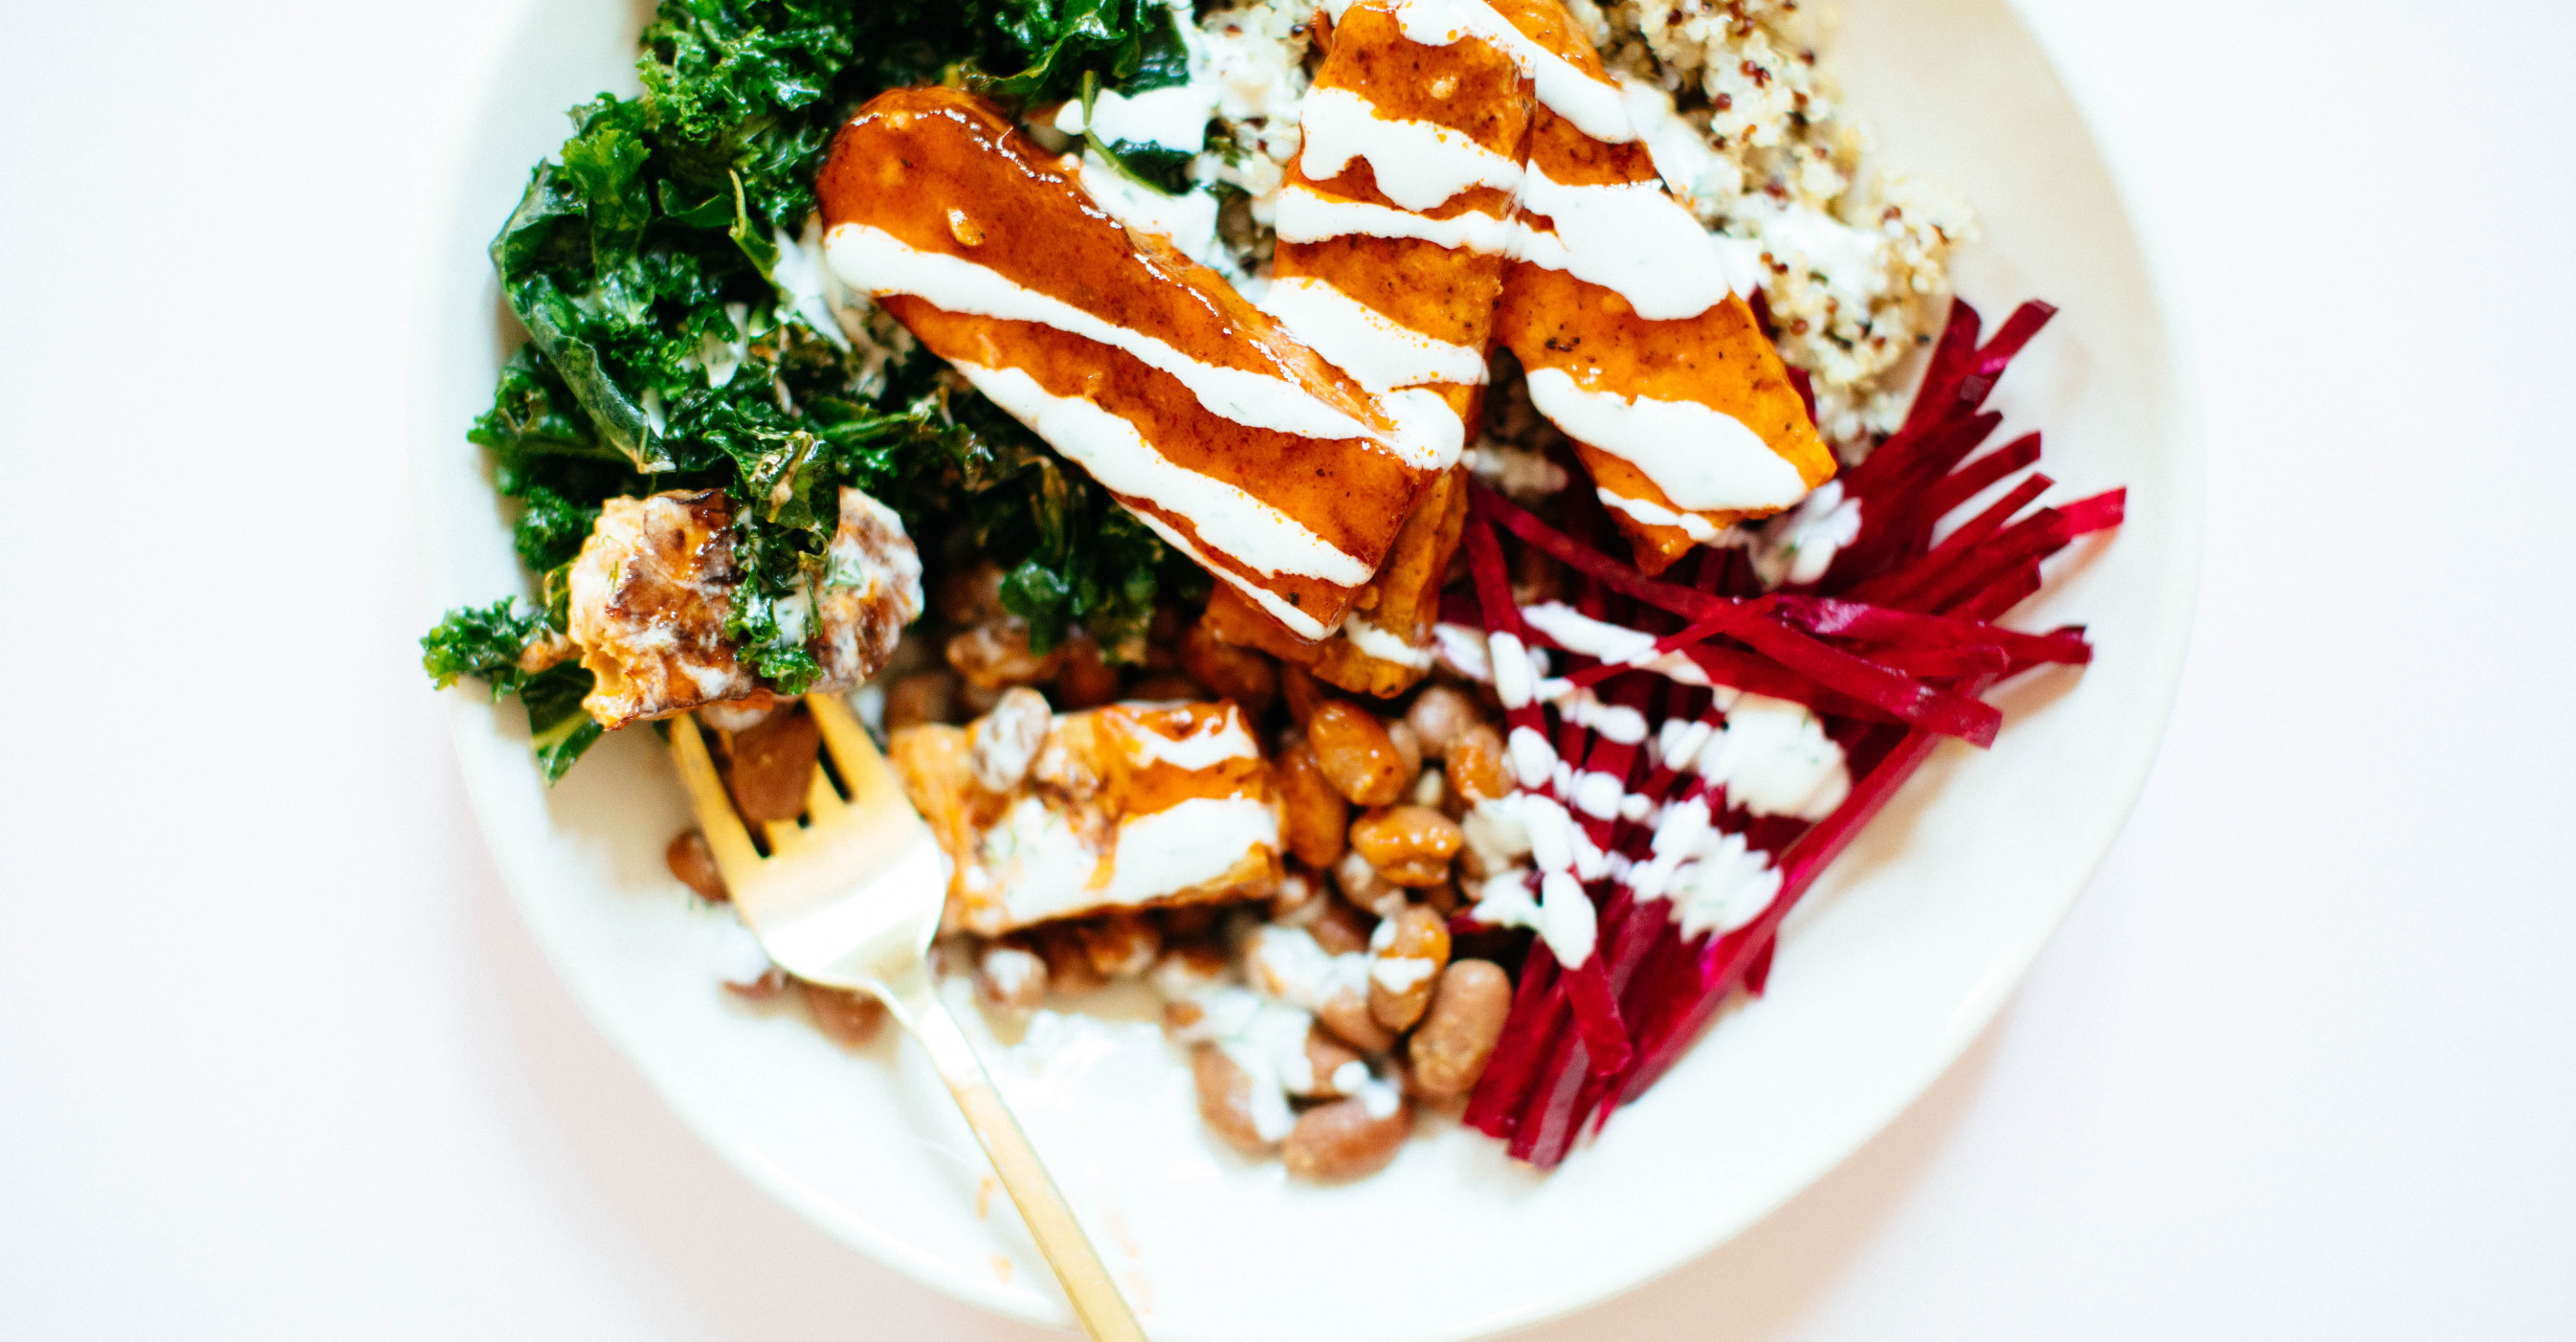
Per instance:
x=1237, y=443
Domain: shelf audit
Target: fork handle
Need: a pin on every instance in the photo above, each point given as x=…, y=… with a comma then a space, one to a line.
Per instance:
x=1096, y=1302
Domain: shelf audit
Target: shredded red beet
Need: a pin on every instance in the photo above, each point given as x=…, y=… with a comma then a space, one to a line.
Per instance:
x=1891, y=648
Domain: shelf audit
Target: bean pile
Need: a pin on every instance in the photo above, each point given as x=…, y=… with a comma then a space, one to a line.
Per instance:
x=1343, y=994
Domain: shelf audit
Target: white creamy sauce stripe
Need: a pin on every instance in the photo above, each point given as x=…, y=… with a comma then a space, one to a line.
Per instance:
x=1187, y=844
x=1254, y=533
x=1306, y=215
x=1305, y=625
x=1635, y=240
x=1429, y=435
x=1378, y=352
x=1703, y=459
x=1650, y=513
x=1385, y=646
x=1418, y=164
x=871, y=259
x=1215, y=741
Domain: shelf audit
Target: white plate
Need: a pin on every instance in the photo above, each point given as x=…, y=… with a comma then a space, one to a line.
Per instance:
x=1890, y=968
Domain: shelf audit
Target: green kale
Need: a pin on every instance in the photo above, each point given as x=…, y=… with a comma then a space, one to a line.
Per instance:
x=670, y=347
x=1125, y=44
x=559, y=728
x=483, y=642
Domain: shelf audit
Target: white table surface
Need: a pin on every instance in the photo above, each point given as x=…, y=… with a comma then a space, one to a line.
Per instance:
x=280, y=1062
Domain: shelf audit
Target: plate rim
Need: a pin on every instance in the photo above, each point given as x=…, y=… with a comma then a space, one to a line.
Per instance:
x=2184, y=442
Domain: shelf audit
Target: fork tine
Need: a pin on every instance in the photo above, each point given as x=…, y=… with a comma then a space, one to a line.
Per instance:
x=735, y=856
x=823, y=804
x=785, y=837
x=863, y=770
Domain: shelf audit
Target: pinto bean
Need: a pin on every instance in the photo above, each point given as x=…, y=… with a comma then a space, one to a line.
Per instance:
x=1343, y=1140
x=847, y=1018
x=996, y=655
x=1362, y=885
x=1438, y=716
x=1325, y=1057
x=1301, y=900
x=1405, y=959
x=1225, y=1099
x=928, y=696
x=1010, y=979
x=1354, y=751
x=1478, y=768
x=1457, y=1035
x=1409, y=845
x=1346, y=1014
x=770, y=766
x=1408, y=747
x=1342, y=929
x=1304, y=695
x=1241, y=674
x=1085, y=679
x=694, y=863
x=1122, y=945
x=1002, y=744
x=1318, y=815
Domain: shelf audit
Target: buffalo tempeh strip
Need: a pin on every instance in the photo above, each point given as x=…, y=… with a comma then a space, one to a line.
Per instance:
x=1631, y=324
x=1280, y=473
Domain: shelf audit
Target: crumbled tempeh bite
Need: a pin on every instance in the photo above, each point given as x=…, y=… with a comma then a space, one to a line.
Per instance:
x=1060, y=816
x=654, y=584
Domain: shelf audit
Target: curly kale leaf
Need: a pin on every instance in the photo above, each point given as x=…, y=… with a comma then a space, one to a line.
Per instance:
x=667, y=351
x=559, y=728
x=1126, y=44
x=483, y=642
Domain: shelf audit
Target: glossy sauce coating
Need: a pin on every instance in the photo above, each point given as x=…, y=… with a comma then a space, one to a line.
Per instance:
x=1447, y=294
x=1551, y=319
x=941, y=174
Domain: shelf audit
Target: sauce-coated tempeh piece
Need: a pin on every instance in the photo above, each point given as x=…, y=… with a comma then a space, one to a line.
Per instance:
x=1677, y=403
x=1402, y=138
x=1627, y=317
x=1125, y=807
x=1277, y=471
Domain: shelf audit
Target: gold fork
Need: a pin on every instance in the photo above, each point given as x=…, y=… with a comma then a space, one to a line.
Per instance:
x=849, y=898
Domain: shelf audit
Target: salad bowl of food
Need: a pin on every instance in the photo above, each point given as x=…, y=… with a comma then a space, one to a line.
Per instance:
x=1495, y=674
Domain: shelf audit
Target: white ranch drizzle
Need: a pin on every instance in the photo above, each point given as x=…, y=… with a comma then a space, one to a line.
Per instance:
x=1653, y=514
x=1253, y=532
x=1189, y=843
x=1774, y=758
x=870, y=258
x=1801, y=545
x=1305, y=625
x=1635, y=240
x=1418, y=164
x=1702, y=458
x=1429, y=435
x=1771, y=756
x=1385, y=646
x=1213, y=741
x=1378, y=352
x=1306, y=215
